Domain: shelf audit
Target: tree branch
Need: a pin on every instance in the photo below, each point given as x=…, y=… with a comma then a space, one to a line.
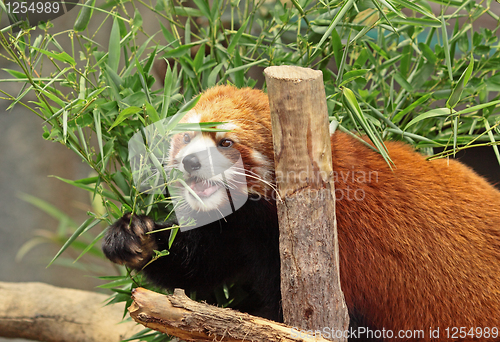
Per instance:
x=43, y=312
x=177, y=315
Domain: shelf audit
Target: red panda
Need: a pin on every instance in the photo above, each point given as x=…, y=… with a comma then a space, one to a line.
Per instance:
x=419, y=243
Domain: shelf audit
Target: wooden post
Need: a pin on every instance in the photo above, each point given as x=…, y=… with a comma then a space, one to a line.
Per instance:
x=310, y=282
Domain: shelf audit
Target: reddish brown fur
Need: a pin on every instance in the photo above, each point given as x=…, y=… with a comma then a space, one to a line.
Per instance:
x=420, y=249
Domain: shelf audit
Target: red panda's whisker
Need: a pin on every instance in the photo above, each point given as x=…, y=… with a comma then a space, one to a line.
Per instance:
x=259, y=178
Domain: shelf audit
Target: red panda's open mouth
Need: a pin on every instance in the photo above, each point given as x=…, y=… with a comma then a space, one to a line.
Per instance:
x=203, y=188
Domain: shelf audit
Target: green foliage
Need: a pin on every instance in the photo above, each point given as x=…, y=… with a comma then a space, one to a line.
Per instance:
x=86, y=245
x=392, y=69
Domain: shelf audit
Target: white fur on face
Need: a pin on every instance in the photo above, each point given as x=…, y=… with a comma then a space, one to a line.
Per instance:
x=197, y=144
x=214, y=177
x=192, y=117
x=229, y=126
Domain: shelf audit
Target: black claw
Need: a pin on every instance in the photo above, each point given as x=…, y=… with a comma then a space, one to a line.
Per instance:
x=127, y=243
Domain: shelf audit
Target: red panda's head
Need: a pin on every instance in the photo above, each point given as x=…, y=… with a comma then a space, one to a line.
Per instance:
x=245, y=113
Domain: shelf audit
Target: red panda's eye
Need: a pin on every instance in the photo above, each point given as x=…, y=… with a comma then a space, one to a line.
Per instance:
x=186, y=138
x=225, y=143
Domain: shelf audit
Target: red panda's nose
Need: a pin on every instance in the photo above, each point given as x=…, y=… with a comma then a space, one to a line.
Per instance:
x=191, y=162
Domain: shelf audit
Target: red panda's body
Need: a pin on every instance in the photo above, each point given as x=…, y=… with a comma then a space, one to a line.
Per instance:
x=422, y=246
x=419, y=244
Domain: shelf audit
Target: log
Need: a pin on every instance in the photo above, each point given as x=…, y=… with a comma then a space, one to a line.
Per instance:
x=310, y=281
x=178, y=315
x=42, y=312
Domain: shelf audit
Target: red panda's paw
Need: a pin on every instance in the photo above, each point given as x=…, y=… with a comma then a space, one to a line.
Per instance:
x=127, y=243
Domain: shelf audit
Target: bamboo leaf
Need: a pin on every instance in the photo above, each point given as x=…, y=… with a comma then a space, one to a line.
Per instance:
x=413, y=5
x=65, y=125
x=338, y=17
x=168, y=86
x=459, y=87
x=492, y=139
x=73, y=237
x=17, y=74
x=180, y=114
x=137, y=21
x=187, y=12
x=180, y=51
x=212, y=77
x=434, y=113
x=478, y=107
x=98, y=130
x=105, y=193
x=403, y=82
x=416, y=22
x=83, y=19
x=352, y=106
x=204, y=7
x=446, y=48
x=62, y=56
x=352, y=75
x=97, y=238
x=411, y=107
x=236, y=38
x=381, y=11
x=114, y=47
x=124, y=114
x=121, y=281
x=245, y=66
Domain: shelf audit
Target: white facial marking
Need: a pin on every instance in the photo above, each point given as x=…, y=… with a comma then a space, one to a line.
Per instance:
x=260, y=159
x=229, y=126
x=192, y=117
x=198, y=143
